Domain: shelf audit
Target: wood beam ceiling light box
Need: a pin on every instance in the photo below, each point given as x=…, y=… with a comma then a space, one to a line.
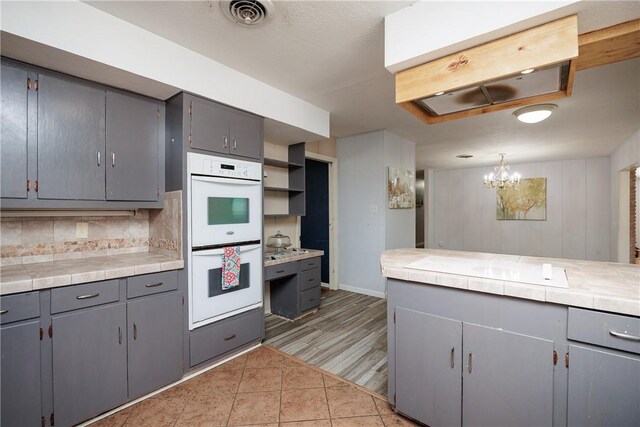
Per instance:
x=533, y=66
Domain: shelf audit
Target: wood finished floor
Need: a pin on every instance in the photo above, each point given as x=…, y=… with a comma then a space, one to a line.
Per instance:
x=347, y=337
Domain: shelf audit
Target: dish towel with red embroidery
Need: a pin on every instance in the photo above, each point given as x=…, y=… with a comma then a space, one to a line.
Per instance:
x=230, y=267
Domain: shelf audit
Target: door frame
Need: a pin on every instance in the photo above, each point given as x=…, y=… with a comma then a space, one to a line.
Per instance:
x=332, y=163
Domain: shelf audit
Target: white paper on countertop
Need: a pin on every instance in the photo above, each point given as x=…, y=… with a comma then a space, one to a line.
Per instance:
x=530, y=274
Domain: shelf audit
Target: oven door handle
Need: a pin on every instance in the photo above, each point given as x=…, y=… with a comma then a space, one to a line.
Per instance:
x=221, y=250
x=232, y=181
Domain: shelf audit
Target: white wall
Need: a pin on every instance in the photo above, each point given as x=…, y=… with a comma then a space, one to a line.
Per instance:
x=362, y=183
x=463, y=215
x=625, y=157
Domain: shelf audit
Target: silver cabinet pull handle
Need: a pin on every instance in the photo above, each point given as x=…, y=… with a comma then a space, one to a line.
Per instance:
x=230, y=337
x=99, y=158
x=279, y=271
x=119, y=335
x=135, y=332
x=153, y=285
x=113, y=160
x=470, y=365
x=235, y=144
x=4, y=311
x=226, y=142
x=311, y=280
x=87, y=296
x=625, y=336
x=453, y=361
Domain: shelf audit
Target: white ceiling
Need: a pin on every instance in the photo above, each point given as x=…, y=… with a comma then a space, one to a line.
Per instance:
x=331, y=53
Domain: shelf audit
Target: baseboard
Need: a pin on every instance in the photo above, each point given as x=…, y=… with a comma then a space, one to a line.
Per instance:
x=363, y=291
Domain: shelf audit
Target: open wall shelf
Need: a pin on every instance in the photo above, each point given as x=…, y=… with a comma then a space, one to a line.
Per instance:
x=294, y=194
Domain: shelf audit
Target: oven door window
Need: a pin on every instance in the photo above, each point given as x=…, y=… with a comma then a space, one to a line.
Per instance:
x=215, y=281
x=227, y=210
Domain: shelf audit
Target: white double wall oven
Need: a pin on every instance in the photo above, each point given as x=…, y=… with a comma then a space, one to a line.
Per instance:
x=225, y=210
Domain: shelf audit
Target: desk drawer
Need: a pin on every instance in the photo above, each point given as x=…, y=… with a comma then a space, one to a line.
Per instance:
x=603, y=329
x=310, y=299
x=82, y=296
x=280, y=270
x=19, y=307
x=309, y=263
x=149, y=284
x=309, y=279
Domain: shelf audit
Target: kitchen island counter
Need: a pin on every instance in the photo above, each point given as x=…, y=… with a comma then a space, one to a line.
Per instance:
x=606, y=286
x=46, y=275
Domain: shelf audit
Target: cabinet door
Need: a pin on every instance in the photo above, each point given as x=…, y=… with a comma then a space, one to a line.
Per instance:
x=89, y=363
x=428, y=362
x=13, y=133
x=604, y=388
x=507, y=378
x=20, y=367
x=71, y=140
x=209, y=126
x=246, y=135
x=155, y=342
x=132, y=148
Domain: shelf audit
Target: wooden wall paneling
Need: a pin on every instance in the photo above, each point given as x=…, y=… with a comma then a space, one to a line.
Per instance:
x=441, y=214
x=551, y=231
x=597, y=209
x=456, y=209
x=529, y=232
x=612, y=44
x=574, y=209
x=472, y=211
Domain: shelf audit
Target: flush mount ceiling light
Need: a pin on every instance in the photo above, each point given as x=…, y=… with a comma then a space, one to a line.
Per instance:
x=248, y=13
x=500, y=177
x=534, y=113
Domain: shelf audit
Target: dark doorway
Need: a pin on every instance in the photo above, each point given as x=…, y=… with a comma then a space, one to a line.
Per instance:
x=315, y=224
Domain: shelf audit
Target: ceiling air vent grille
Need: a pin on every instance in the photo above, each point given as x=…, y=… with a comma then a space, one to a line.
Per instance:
x=249, y=13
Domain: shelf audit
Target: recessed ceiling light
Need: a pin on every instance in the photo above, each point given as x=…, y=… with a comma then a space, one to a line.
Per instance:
x=534, y=113
x=464, y=156
x=439, y=93
x=530, y=70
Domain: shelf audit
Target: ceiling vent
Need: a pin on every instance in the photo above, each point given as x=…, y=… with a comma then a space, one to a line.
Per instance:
x=533, y=66
x=248, y=13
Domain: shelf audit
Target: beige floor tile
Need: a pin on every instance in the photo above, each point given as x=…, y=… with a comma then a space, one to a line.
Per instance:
x=301, y=377
x=350, y=402
x=156, y=413
x=383, y=406
x=314, y=423
x=182, y=391
x=357, y=422
x=262, y=379
x=331, y=382
x=206, y=411
x=237, y=363
x=396, y=420
x=217, y=382
x=264, y=358
x=255, y=408
x=116, y=420
x=303, y=405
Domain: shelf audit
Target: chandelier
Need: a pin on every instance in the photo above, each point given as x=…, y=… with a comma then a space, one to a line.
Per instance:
x=501, y=178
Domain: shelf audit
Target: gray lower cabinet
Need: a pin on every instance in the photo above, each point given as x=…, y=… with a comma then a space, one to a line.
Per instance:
x=132, y=151
x=604, y=388
x=154, y=336
x=89, y=362
x=294, y=287
x=13, y=132
x=71, y=139
x=21, y=375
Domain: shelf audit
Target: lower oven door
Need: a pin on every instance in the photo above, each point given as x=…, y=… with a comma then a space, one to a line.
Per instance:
x=208, y=301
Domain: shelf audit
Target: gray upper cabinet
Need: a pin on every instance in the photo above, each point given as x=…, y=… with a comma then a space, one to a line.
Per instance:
x=224, y=130
x=13, y=132
x=89, y=363
x=132, y=149
x=155, y=342
x=21, y=375
x=71, y=140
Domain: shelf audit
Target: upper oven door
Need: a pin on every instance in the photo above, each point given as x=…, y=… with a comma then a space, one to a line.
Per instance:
x=225, y=210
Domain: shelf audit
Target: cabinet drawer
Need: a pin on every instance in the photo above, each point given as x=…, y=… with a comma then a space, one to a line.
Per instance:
x=19, y=307
x=218, y=338
x=309, y=263
x=280, y=270
x=81, y=296
x=149, y=284
x=309, y=279
x=310, y=299
x=601, y=329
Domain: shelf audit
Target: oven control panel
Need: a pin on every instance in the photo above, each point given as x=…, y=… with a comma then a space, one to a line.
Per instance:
x=201, y=164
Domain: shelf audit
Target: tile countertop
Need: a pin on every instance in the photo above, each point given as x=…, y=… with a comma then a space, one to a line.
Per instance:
x=597, y=285
x=311, y=253
x=45, y=275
